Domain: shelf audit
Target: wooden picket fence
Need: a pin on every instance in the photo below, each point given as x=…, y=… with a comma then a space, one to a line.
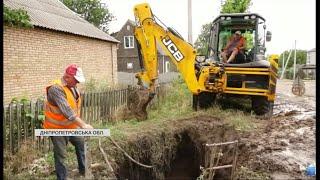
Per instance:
x=20, y=119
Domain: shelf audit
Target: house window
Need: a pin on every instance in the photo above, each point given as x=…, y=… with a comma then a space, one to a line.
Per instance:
x=167, y=67
x=308, y=59
x=129, y=65
x=128, y=27
x=128, y=42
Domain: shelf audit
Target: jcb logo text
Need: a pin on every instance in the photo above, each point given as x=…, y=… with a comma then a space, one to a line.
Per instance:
x=173, y=49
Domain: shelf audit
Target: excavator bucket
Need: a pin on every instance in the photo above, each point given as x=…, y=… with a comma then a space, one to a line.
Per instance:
x=138, y=101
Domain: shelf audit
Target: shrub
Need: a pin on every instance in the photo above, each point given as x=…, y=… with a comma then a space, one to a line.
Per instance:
x=16, y=17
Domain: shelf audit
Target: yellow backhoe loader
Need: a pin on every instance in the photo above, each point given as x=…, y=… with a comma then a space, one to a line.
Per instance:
x=252, y=75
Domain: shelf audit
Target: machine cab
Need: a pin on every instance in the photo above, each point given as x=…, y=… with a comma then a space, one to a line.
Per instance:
x=253, y=30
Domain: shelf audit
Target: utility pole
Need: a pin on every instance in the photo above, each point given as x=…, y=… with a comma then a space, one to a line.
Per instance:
x=294, y=60
x=285, y=66
x=283, y=61
x=190, y=22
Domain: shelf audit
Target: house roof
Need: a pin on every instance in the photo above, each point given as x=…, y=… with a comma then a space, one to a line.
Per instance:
x=115, y=34
x=129, y=21
x=53, y=14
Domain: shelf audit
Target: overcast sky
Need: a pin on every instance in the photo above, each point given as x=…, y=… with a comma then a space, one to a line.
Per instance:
x=288, y=20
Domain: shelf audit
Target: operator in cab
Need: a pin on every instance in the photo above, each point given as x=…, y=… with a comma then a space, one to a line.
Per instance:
x=235, y=45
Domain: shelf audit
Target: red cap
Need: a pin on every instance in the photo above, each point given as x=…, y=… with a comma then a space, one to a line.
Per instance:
x=72, y=69
x=76, y=72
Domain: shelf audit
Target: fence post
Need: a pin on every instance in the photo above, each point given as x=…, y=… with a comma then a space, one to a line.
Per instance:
x=82, y=105
x=115, y=93
x=10, y=128
x=18, y=124
x=32, y=112
x=99, y=107
x=108, y=104
x=89, y=107
x=95, y=106
x=85, y=107
x=105, y=113
x=4, y=128
x=39, y=124
x=35, y=123
x=24, y=119
x=112, y=103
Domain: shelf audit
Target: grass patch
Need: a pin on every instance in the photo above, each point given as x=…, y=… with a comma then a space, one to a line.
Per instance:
x=241, y=120
x=173, y=103
x=71, y=157
x=28, y=163
x=50, y=158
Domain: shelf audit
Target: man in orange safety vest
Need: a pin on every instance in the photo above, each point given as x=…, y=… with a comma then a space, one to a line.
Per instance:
x=62, y=111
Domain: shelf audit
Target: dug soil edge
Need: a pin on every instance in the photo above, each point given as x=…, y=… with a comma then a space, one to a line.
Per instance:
x=175, y=153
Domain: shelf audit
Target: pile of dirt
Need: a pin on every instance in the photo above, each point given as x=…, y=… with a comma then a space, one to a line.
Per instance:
x=138, y=101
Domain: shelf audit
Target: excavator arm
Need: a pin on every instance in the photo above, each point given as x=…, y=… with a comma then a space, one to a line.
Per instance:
x=148, y=34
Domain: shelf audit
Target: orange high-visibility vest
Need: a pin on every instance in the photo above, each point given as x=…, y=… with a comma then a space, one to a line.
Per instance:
x=54, y=119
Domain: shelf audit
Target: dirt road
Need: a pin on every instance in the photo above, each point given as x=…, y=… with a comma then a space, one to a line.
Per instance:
x=286, y=145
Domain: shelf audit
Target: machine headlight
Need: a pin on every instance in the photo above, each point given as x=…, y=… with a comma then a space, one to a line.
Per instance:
x=223, y=18
x=253, y=17
x=246, y=17
x=228, y=18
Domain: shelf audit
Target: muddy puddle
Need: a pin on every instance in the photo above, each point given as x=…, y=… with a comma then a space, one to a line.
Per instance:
x=286, y=146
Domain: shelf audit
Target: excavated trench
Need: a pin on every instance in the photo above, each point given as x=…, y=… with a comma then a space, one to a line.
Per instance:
x=177, y=153
x=187, y=161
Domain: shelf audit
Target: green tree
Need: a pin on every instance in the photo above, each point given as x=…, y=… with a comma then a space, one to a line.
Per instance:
x=16, y=17
x=249, y=40
x=300, y=59
x=201, y=43
x=92, y=11
x=235, y=6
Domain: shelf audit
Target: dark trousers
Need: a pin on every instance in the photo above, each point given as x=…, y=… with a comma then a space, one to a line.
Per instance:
x=60, y=151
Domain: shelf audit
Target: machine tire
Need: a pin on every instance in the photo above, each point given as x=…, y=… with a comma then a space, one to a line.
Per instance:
x=261, y=106
x=206, y=100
